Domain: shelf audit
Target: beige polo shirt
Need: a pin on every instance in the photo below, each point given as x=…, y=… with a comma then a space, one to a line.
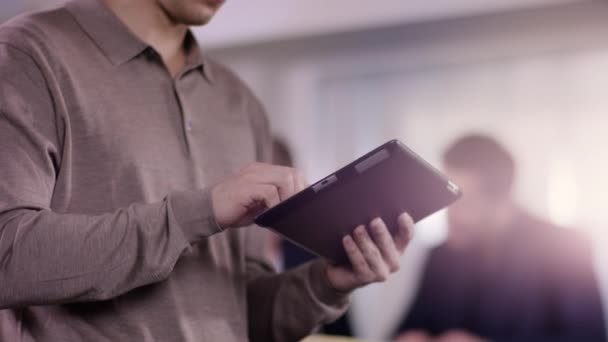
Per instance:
x=106, y=226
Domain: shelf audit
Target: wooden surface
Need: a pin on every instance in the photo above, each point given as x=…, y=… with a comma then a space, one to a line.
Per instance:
x=322, y=338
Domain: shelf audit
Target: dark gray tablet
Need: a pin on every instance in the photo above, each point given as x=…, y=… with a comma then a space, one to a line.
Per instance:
x=385, y=182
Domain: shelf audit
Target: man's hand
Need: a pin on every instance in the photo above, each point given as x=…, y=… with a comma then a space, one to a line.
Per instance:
x=373, y=256
x=238, y=200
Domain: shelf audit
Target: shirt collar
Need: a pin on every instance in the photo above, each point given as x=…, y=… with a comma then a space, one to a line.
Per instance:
x=118, y=43
x=196, y=58
x=108, y=32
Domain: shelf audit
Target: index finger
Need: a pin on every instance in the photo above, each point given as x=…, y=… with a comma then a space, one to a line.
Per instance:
x=284, y=178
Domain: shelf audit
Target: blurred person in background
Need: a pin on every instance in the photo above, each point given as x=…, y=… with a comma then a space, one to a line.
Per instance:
x=502, y=274
x=292, y=256
x=129, y=160
x=286, y=254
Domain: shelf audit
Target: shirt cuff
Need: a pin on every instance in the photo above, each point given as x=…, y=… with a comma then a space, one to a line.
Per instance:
x=193, y=213
x=323, y=290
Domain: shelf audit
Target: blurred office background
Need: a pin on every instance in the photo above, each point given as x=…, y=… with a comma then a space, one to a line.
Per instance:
x=340, y=77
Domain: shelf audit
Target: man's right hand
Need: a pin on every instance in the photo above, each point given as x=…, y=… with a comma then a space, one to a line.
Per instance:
x=239, y=199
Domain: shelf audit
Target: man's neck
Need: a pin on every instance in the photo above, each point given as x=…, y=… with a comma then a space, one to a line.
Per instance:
x=150, y=23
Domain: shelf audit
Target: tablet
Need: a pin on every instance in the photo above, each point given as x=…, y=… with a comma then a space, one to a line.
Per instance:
x=385, y=182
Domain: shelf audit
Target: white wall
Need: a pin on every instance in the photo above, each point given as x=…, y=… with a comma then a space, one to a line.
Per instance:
x=291, y=78
x=263, y=20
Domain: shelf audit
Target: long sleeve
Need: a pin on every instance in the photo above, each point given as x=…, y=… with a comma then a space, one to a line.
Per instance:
x=288, y=306
x=47, y=257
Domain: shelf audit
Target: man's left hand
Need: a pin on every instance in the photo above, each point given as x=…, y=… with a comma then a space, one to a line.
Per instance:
x=373, y=253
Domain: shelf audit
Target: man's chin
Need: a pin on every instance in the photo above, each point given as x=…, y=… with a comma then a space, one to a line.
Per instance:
x=198, y=17
x=197, y=22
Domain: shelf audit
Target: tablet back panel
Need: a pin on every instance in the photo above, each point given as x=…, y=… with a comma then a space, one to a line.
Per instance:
x=384, y=183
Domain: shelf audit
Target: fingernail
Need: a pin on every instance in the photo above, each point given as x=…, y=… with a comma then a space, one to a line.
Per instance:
x=347, y=240
x=360, y=231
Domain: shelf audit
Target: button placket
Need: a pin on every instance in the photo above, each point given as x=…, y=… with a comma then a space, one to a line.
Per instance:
x=187, y=121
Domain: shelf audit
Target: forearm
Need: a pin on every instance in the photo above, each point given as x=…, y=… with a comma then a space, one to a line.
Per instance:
x=50, y=258
x=290, y=306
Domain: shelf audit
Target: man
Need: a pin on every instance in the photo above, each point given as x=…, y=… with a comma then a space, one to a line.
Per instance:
x=502, y=274
x=122, y=154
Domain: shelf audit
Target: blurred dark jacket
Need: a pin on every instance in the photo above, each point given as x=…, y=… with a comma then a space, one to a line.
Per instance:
x=540, y=286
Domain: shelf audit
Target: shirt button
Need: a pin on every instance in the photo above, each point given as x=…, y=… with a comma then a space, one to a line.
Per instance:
x=188, y=125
